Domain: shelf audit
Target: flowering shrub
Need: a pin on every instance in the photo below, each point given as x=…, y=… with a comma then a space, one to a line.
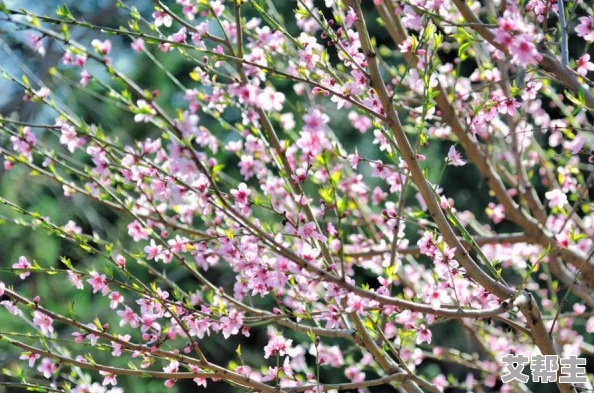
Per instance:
x=347, y=260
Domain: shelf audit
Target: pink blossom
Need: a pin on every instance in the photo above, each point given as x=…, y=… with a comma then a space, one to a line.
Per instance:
x=214, y=123
x=98, y=282
x=128, y=317
x=508, y=106
x=455, y=158
x=145, y=112
x=287, y=121
x=351, y=18
x=361, y=123
x=84, y=78
x=356, y=304
x=382, y=141
x=271, y=100
x=172, y=367
x=406, y=45
x=153, y=251
x=137, y=45
x=231, y=323
x=120, y=260
x=590, y=325
x=11, y=308
x=531, y=89
x=178, y=245
x=441, y=382
x=44, y=92
x=72, y=228
x=300, y=175
x=189, y=10
x=584, y=65
x=137, y=231
x=31, y=357
x=579, y=308
x=524, y=52
x=241, y=194
x=586, y=28
x=423, y=335
x=310, y=231
x=23, y=263
x=200, y=381
x=36, y=43
x=24, y=143
x=179, y=36
x=149, y=321
x=103, y=47
x=562, y=240
x=495, y=212
x=556, y=198
x=217, y=7
x=47, y=368
x=354, y=159
x=169, y=382
x=277, y=346
x=75, y=279
x=436, y=296
x=109, y=378
x=162, y=19
x=355, y=374
x=115, y=299
x=118, y=347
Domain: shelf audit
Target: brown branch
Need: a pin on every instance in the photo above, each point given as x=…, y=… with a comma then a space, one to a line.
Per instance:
x=417, y=174
x=531, y=226
x=511, y=238
x=549, y=63
x=399, y=377
x=108, y=369
x=228, y=375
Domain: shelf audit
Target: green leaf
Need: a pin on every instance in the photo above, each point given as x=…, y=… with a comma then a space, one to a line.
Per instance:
x=419, y=214
x=341, y=206
x=454, y=220
x=463, y=49
x=71, y=311
x=98, y=324
x=64, y=12
x=574, y=99
x=66, y=261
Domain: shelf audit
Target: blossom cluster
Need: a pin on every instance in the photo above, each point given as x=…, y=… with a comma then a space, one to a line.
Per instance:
x=347, y=258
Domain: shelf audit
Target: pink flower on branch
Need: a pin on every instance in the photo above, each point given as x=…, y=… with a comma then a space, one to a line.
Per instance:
x=47, y=367
x=23, y=263
x=317, y=243
x=584, y=65
x=31, y=357
x=455, y=158
x=98, y=282
x=310, y=231
x=162, y=19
